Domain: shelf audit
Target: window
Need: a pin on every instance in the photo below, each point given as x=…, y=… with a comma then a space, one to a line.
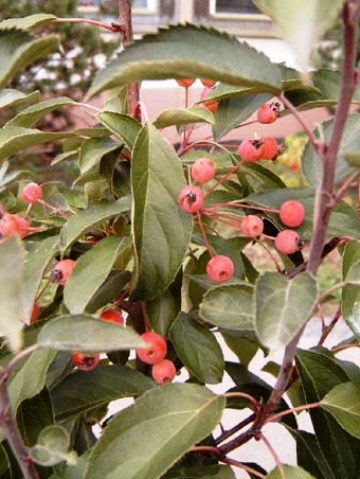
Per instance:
x=230, y=8
x=145, y=6
x=139, y=6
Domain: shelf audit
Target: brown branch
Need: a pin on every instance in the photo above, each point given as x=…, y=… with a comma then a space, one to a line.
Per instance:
x=126, y=30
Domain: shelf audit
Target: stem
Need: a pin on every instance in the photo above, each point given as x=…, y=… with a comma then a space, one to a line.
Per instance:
x=110, y=28
x=274, y=455
x=277, y=416
x=240, y=465
x=226, y=434
x=126, y=30
x=240, y=395
x=204, y=236
x=342, y=190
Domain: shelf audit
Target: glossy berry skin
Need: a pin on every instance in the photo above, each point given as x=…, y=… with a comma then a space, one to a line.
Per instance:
x=13, y=224
x=252, y=226
x=191, y=199
x=250, y=151
x=270, y=149
x=35, y=313
x=292, y=213
x=62, y=271
x=208, y=83
x=288, y=242
x=156, y=348
x=268, y=113
x=186, y=82
x=112, y=315
x=203, y=170
x=85, y=362
x=163, y=372
x=31, y=193
x=220, y=269
x=210, y=105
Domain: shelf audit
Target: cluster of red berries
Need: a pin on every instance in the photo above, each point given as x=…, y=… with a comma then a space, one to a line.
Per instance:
x=187, y=82
x=210, y=105
x=163, y=370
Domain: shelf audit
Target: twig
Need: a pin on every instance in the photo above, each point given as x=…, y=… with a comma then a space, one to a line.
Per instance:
x=230, y=432
x=111, y=28
x=344, y=187
x=305, y=407
x=240, y=465
x=274, y=455
x=251, y=399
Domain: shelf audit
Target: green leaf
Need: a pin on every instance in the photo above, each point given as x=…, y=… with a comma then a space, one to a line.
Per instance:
x=189, y=52
x=86, y=333
x=82, y=391
x=292, y=302
x=351, y=292
x=33, y=415
x=198, y=349
x=52, y=447
x=11, y=290
x=31, y=115
x=93, y=150
x=343, y=404
x=109, y=290
x=14, y=98
x=235, y=110
x=229, y=307
x=123, y=126
x=36, y=262
x=290, y=472
x=244, y=344
x=161, y=230
x=144, y=440
x=91, y=218
x=27, y=23
x=319, y=374
x=4, y=462
x=15, y=138
x=19, y=49
x=90, y=272
x=312, y=167
x=302, y=24
x=177, y=116
x=310, y=456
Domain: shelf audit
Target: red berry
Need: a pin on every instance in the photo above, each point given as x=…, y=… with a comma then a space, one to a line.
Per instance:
x=112, y=315
x=251, y=150
x=85, y=362
x=186, y=82
x=208, y=83
x=288, y=242
x=292, y=213
x=13, y=224
x=270, y=149
x=164, y=371
x=35, y=313
x=268, y=113
x=31, y=193
x=203, y=170
x=156, y=348
x=220, y=268
x=191, y=199
x=210, y=105
x=62, y=271
x=252, y=226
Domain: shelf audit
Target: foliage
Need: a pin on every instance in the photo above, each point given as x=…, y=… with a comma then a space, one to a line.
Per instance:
x=135, y=245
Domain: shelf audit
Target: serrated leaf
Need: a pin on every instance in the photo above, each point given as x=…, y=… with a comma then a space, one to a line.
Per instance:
x=13, y=98
x=90, y=272
x=32, y=114
x=82, y=391
x=302, y=24
x=19, y=49
x=189, y=52
x=36, y=263
x=15, y=138
x=312, y=167
x=146, y=439
x=27, y=23
x=93, y=150
x=11, y=291
x=229, y=307
x=161, y=230
x=289, y=472
x=235, y=110
x=292, y=302
x=123, y=126
x=198, y=349
x=319, y=373
x=87, y=334
x=343, y=404
x=92, y=217
x=177, y=116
